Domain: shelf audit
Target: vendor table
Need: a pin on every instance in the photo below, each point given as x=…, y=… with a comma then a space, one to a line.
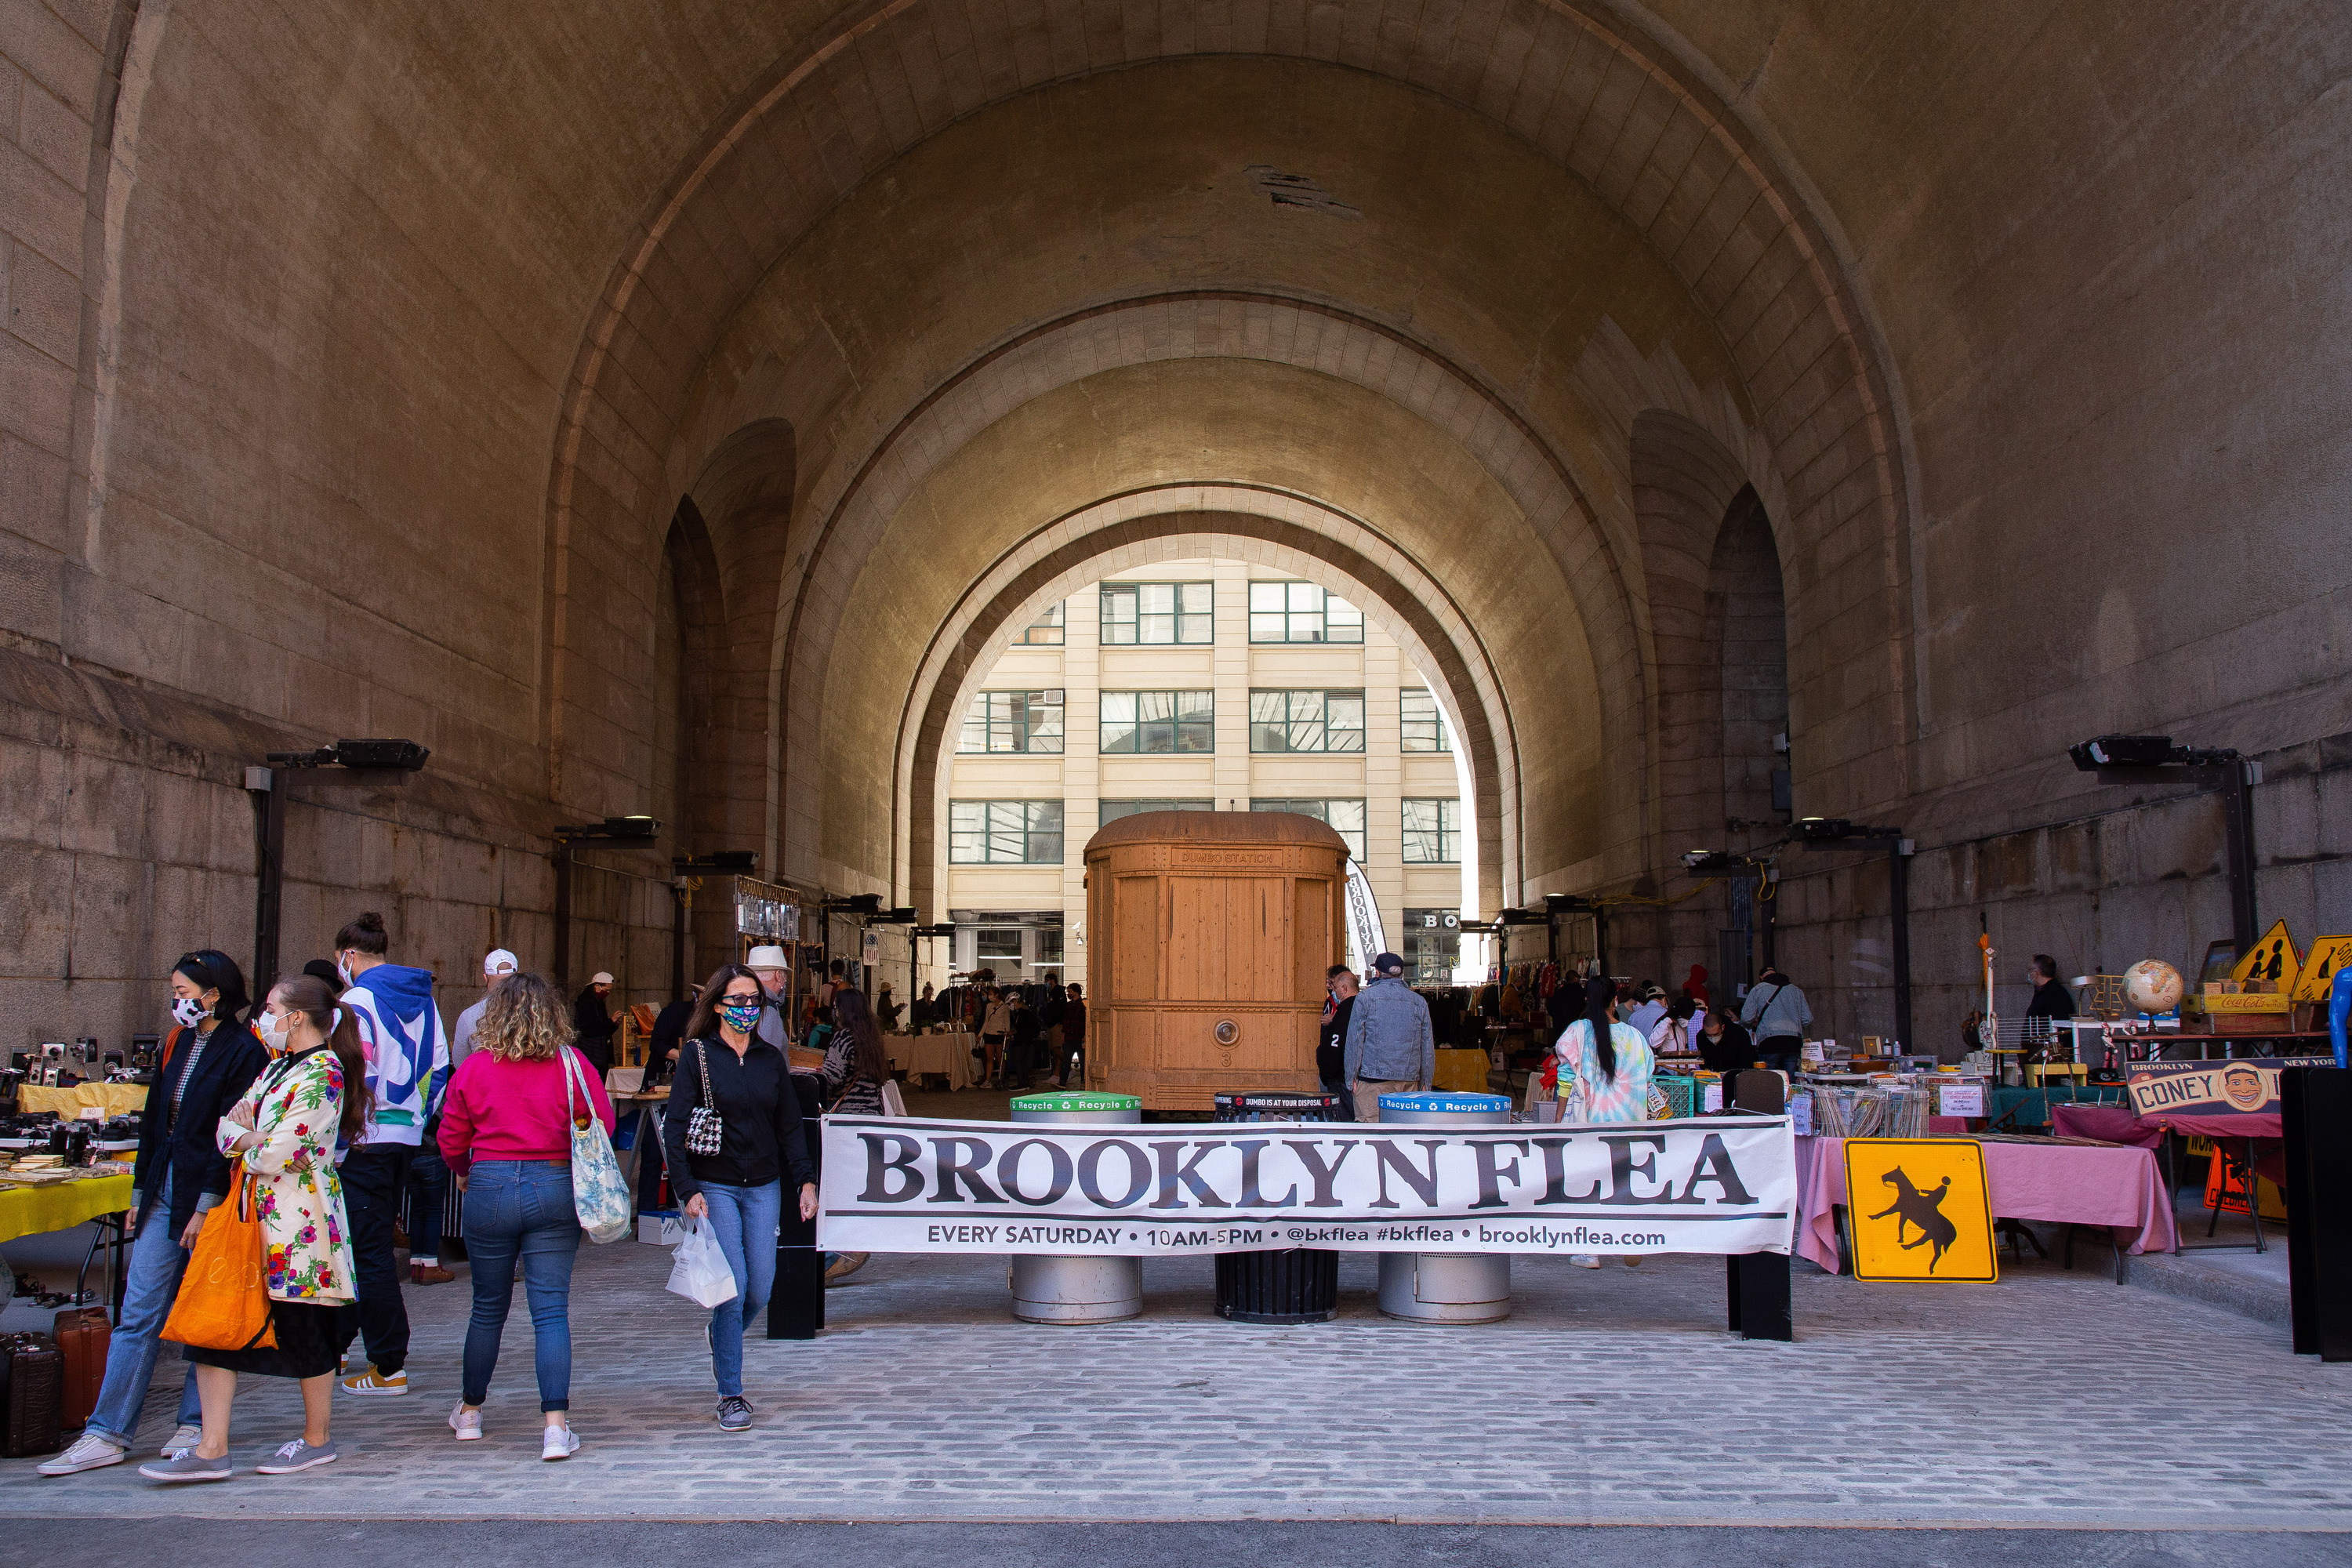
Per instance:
x=61, y=1206
x=114, y=1099
x=949, y=1055
x=2032, y=1106
x=1464, y=1070
x=2259, y=1137
x=2060, y=1184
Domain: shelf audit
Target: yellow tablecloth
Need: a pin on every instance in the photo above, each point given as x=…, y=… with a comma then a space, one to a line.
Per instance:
x=947, y=1054
x=114, y=1099
x=1464, y=1071
x=26, y=1211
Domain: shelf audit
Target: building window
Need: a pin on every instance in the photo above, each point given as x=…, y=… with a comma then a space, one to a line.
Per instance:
x=1046, y=631
x=1433, y=832
x=1306, y=721
x=997, y=948
x=1004, y=832
x=1433, y=945
x=1424, y=721
x=1049, y=949
x=1156, y=723
x=1157, y=613
x=1013, y=722
x=1301, y=612
x=1346, y=818
x=1112, y=810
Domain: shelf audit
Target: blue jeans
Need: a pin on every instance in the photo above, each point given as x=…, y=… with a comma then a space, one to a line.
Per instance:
x=149, y=1284
x=429, y=1192
x=745, y=1221
x=521, y=1208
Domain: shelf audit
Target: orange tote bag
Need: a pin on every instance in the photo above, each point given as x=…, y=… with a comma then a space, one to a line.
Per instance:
x=224, y=1300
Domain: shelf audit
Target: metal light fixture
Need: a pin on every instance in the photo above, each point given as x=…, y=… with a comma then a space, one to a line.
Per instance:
x=612, y=828
x=378, y=755
x=2153, y=759
x=718, y=862
x=404, y=756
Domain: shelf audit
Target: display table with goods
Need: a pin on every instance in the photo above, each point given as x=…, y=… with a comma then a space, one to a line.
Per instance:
x=2064, y=1181
x=72, y=1100
x=947, y=1056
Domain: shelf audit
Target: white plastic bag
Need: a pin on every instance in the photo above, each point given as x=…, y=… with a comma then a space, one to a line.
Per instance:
x=698, y=1269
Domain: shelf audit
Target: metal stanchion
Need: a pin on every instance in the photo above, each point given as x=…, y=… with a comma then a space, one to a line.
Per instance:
x=1445, y=1287
x=1078, y=1289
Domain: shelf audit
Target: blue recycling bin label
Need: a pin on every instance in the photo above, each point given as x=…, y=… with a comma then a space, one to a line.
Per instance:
x=1462, y=1104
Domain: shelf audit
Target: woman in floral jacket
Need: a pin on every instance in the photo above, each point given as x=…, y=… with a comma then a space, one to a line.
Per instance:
x=286, y=1129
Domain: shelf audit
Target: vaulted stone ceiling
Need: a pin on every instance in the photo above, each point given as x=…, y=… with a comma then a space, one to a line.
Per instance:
x=409, y=332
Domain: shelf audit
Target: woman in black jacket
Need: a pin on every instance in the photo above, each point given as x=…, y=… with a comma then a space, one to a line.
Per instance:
x=209, y=1060
x=738, y=1187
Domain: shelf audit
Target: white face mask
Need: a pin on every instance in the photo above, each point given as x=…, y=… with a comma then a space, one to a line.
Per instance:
x=274, y=1029
x=343, y=968
x=188, y=1011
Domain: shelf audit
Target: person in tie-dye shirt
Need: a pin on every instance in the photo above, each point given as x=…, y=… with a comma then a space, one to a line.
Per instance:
x=1604, y=1071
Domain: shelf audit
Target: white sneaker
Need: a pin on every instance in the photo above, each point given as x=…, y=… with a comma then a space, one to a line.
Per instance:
x=559, y=1443
x=90, y=1452
x=467, y=1424
x=184, y=1438
x=1584, y=1260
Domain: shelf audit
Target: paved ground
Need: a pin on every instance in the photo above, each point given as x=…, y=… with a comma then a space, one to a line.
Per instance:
x=1609, y=1397
x=224, y=1543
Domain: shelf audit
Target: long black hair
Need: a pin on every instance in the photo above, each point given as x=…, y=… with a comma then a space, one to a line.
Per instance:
x=1600, y=996
x=867, y=1057
x=209, y=969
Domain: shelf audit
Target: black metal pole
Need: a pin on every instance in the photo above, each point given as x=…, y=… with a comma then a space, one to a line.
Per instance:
x=562, y=967
x=2238, y=821
x=267, y=787
x=677, y=942
x=1898, y=878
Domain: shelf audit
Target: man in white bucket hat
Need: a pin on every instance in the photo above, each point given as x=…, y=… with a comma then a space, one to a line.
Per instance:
x=774, y=969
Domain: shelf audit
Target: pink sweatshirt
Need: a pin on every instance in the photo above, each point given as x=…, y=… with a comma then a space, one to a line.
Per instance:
x=499, y=1110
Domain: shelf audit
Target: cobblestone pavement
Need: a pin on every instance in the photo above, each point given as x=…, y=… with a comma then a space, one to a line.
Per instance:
x=1613, y=1397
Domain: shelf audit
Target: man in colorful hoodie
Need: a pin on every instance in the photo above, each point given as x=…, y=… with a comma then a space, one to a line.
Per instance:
x=408, y=1057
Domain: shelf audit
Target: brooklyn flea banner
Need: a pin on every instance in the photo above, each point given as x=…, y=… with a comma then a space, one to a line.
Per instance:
x=1718, y=1183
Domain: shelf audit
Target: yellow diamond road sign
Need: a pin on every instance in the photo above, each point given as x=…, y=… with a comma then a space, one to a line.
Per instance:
x=1919, y=1210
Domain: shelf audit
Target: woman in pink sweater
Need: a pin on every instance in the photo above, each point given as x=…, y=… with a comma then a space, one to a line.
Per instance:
x=506, y=1132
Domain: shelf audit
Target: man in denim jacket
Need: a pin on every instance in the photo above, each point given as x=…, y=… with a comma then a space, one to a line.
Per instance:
x=1391, y=1048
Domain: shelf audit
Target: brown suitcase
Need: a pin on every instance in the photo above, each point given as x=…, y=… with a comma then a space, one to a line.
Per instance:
x=32, y=1384
x=82, y=1335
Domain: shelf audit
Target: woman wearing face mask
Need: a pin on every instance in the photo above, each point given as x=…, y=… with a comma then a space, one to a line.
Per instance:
x=209, y=1060
x=738, y=1191
x=286, y=1127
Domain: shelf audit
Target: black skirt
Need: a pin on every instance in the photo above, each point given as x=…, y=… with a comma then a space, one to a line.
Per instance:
x=306, y=1344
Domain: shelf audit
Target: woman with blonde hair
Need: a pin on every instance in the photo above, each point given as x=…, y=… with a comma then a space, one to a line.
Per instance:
x=506, y=1133
x=310, y=1096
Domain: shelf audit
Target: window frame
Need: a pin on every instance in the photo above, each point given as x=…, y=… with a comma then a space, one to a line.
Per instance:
x=1447, y=830
x=1017, y=723
x=1293, y=720
x=1358, y=837
x=1302, y=623
x=1405, y=725
x=1056, y=620
x=991, y=830
x=1135, y=805
x=1182, y=618
x=1199, y=721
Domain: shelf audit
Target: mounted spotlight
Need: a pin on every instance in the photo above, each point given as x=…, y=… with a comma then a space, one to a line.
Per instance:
x=612, y=828
x=899, y=917
x=1712, y=861
x=857, y=904
x=405, y=756
x=1822, y=829
x=718, y=862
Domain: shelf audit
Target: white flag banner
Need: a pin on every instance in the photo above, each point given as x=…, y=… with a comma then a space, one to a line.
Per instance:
x=1716, y=1183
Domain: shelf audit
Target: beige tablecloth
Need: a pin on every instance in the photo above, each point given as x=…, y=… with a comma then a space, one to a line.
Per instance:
x=948, y=1053
x=114, y=1099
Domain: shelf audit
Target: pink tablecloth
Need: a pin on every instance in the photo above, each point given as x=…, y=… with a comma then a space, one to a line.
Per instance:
x=2117, y=1125
x=2061, y=1183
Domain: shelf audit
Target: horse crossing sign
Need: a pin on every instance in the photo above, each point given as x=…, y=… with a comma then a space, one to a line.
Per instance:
x=1919, y=1210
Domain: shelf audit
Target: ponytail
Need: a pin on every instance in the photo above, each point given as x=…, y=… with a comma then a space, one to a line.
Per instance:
x=309, y=996
x=1599, y=995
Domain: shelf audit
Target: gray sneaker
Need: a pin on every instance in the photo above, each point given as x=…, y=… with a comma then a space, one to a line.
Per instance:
x=90, y=1452
x=297, y=1455
x=189, y=1467
x=734, y=1414
x=184, y=1437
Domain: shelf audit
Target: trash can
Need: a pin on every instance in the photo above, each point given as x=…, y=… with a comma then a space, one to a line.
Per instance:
x=1445, y=1287
x=1064, y=1289
x=1297, y=1284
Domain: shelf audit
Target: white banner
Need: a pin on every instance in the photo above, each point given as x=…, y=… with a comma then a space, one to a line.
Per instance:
x=1718, y=1185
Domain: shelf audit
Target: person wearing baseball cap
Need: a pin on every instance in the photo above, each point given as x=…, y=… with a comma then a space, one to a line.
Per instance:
x=1391, y=1050
x=594, y=1022
x=495, y=968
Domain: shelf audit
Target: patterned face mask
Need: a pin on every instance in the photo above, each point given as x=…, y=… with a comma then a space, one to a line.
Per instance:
x=188, y=1011
x=740, y=1015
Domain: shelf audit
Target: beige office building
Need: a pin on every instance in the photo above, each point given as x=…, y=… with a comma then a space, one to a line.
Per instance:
x=1198, y=685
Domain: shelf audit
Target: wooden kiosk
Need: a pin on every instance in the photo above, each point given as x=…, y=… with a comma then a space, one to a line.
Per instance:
x=1208, y=936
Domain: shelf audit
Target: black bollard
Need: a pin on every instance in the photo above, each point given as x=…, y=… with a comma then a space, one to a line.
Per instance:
x=796, y=1307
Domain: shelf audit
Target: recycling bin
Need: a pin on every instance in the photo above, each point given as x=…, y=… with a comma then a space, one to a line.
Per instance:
x=1063, y=1290
x=1445, y=1287
x=1296, y=1284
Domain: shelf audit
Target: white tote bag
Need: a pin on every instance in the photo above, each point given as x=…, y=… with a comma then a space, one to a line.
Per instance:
x=698, y=1271
x=598, y=1196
